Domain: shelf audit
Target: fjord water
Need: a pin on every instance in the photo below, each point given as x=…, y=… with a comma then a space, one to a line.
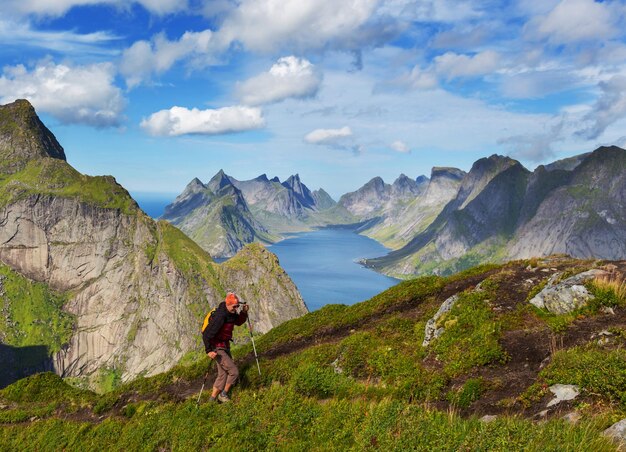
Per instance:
x=323, y=264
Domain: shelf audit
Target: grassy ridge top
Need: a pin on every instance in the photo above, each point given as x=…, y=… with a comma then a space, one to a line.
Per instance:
x=358, y=378
x=54, y=177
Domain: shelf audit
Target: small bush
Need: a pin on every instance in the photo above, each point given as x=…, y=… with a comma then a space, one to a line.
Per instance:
x=315, y=381
x=471, y=391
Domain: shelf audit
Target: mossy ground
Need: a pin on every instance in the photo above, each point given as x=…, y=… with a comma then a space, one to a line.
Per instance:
x=357, y=378
x=32, y=313
x=54, y=177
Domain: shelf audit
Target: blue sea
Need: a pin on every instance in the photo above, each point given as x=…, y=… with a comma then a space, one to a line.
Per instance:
x=153, y=203
x=322, y=263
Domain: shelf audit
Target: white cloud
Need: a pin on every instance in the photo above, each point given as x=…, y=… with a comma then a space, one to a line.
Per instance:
x=400, y=146
x=576, y=20
x=452, y=65
x=289, y=77
x=60, y=7
x=182, y=121
x=328, y=136
x=610, y=107
x=72, y=94
x=22, y=34
x=267, y=25
x=144, y=58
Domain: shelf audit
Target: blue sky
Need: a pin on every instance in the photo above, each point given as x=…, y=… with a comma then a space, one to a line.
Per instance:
x=157, y=92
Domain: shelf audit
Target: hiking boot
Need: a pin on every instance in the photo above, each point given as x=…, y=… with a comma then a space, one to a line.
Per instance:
x=223, y=397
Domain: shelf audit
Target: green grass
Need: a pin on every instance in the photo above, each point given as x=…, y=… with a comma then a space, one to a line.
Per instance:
x=278, y=418
x=54, y=177
x=35, y=315
x=471, y=336
x=598, y=371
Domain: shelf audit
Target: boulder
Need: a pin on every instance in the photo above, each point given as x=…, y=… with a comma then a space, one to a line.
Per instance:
x=563, y=393
x=567, y=295
x=617, y=433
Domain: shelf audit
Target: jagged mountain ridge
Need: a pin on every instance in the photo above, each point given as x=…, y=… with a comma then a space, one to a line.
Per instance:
x=504, y=211
x=137, y=289
x=398, y=215
x=260, y=209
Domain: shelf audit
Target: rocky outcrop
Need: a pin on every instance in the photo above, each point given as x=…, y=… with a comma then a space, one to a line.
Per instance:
x=138, y=289
x=24, y=137
x=433, y=330
x=565, y=296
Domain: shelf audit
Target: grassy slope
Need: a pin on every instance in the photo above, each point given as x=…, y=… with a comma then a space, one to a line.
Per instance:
x=53, y=177
x=391, y=393
x=32, y=313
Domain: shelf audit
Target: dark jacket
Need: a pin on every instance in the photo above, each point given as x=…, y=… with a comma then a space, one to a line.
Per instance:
x=219, y=331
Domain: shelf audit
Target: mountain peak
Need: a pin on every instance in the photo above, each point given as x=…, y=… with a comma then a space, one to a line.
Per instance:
x=24, y=137
x=262, y=178
x=220, y=180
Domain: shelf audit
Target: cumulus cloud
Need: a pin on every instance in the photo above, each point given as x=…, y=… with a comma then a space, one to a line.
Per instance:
x=72, y=94
x=265, y=25
x=289, y=77
x=329, y=136
x=60, y=7
x=610, y=107
x=182, y=121
x=145, y=58
x=400, y=146
x=452, y=65
x=576, y=20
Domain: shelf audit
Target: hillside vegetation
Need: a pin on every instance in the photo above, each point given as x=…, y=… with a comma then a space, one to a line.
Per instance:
x=359, y=377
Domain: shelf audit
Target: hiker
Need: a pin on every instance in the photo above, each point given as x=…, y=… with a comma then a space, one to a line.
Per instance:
x=217, y=337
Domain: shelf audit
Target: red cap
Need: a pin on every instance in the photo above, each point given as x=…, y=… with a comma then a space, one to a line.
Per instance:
x=231, y=299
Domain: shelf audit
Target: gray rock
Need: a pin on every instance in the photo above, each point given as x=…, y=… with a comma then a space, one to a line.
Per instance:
x=563, y=393
x=432, y=331
x=617, y=433
x=567, y=295
x=487, y=418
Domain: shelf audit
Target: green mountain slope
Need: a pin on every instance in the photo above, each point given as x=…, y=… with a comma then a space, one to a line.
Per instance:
x=107, y=293
x=359, y=378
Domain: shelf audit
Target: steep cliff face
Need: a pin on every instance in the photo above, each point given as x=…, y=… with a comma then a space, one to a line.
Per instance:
x=137, y=289
x=502, y=211
x=584, y=215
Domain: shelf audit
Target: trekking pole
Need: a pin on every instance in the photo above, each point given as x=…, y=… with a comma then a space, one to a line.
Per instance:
x=254, y=347
x=206, y=375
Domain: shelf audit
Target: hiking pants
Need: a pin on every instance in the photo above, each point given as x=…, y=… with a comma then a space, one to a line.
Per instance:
x=227, y=372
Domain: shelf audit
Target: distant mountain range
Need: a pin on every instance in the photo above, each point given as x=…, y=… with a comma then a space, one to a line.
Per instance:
x=503, y=211
x=498, y=210
x=226, y=214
